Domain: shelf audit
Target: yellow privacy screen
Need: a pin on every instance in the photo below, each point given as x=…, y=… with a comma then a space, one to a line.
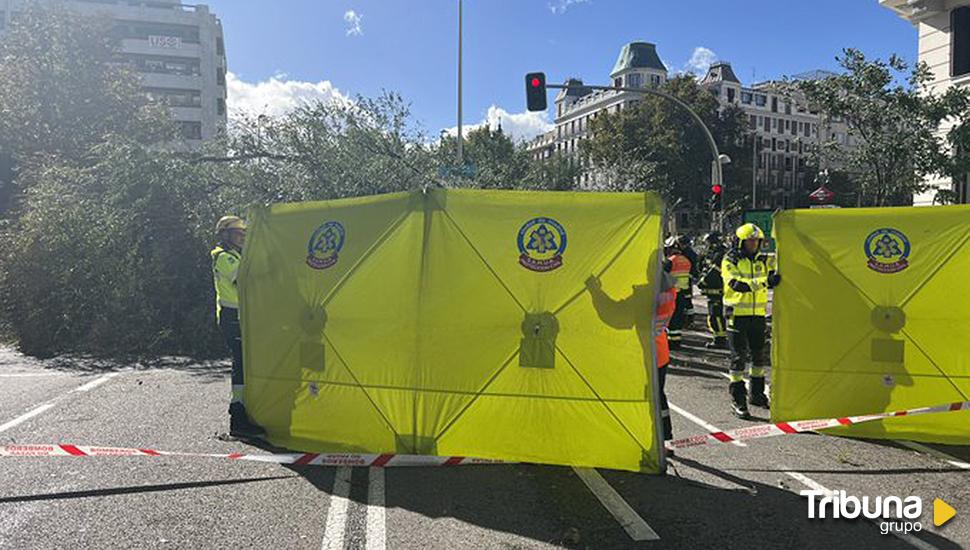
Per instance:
x=456, y=323
x=873, y=315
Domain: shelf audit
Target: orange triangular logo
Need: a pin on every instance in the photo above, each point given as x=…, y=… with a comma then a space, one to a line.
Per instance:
x=942, y=512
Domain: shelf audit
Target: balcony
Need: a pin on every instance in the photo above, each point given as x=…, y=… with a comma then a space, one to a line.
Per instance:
x=174, y=81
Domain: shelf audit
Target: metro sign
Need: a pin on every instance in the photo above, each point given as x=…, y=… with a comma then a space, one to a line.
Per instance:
x=821, y=195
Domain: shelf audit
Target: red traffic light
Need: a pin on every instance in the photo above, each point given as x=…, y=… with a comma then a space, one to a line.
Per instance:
x=536, y=83
x=716, y=189
x=535, y=91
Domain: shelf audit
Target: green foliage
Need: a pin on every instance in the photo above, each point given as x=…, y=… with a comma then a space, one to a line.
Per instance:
x=887, y=105
x=59, y=92
x=658, y=146
x=108, y=258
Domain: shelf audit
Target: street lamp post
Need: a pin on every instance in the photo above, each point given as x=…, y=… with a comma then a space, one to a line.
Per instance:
x=755, y=142
x=461, y=155
x=717, y=170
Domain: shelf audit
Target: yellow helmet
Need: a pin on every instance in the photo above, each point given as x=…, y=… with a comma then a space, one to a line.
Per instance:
x=230, y=222
x=749, y=231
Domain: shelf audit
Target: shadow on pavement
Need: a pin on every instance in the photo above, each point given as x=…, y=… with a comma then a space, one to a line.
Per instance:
x=77, y=364
x=136, y=489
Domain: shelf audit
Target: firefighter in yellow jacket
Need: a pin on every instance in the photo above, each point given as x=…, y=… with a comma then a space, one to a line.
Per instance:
x=747, y=275
x=226, y=256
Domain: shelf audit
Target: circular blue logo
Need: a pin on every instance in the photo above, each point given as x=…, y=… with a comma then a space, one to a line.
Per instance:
x=888, y=250
x=325, y=244
x=542, y=242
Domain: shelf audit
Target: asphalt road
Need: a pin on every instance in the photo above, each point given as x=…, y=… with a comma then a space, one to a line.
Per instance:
x=719, y=496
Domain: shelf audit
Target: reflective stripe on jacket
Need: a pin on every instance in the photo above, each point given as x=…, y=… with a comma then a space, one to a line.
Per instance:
x=225, y=270
x=666, y=304
x=680, y=270
x=745, y=284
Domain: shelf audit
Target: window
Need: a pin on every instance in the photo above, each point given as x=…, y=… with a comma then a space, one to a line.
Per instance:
x=774, y=104
x=788, y=164
x=220, y=46
x=746, y=98
x=794, y=129
x=767, y=124
x=808, y=130
x=191, y=130
x=175, y=98
x=774, y=144
x=221, y=76
x=634, y=80
x=787, y=108
x=158, y=64
x=618, y=82
x=220, y=106
x=753, y=122
x=760, y=100
x=730, y=95
x=960, y=41
x=787, y=124
x=655, y=79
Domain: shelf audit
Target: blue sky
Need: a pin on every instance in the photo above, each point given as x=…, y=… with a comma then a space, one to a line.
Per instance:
x=346, y=47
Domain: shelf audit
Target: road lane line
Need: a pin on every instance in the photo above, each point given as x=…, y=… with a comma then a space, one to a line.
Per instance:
x=700, y=422
x=333, y=535
x=632, y=523
x=918, y=447
x=816, y=486
x=376, y=520
x=25, y=417
x=52, y=402
x=95, y=383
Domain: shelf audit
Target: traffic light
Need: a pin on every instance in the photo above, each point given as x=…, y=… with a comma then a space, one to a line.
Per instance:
x=535, y=91
x=716, y=191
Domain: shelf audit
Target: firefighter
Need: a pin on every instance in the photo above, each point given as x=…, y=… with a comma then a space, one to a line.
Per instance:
x=679, y=268
x=666, y=304
x=226, y=256
x=747, y=278
x=686, y=246
x=712, y=287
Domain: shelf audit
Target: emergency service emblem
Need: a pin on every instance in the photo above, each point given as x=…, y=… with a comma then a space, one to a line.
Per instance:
x=888, y=251
x=325, y=244
x=542, y=242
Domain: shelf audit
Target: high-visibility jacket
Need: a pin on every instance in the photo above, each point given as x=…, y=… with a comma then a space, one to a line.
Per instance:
x=680, y=270
x=225, y=270
x=745, y=283
x=666, y=304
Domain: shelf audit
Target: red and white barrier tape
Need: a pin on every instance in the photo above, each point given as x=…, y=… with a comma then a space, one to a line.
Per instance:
x=392, y=460
x=303, y=459
x=800, y=426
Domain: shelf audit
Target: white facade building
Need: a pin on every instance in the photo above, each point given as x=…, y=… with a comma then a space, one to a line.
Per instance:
x=178, y=49
x=943, y=28
x=785, y=134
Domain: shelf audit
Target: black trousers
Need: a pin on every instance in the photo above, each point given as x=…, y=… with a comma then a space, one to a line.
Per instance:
x=715, y=316
x=664, y=406
x=678, y=321
x=747, y=338
x=229, y=324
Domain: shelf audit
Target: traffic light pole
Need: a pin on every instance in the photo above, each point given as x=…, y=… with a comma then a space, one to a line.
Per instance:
x=717, y=173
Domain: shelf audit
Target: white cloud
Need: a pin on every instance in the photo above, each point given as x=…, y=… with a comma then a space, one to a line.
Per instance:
x=519, y=126
x=276, y=96
x=700, y=61
x=353, y=23
x=559, y=7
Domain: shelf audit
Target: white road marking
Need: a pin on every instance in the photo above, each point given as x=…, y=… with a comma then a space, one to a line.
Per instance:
x=919, y=447
x=95, y=383
x=816, y=486
x=333, y=535
x=50, y=404
x=632, y=523
x=700, y=422
x=376, y=525
x=25, y=417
